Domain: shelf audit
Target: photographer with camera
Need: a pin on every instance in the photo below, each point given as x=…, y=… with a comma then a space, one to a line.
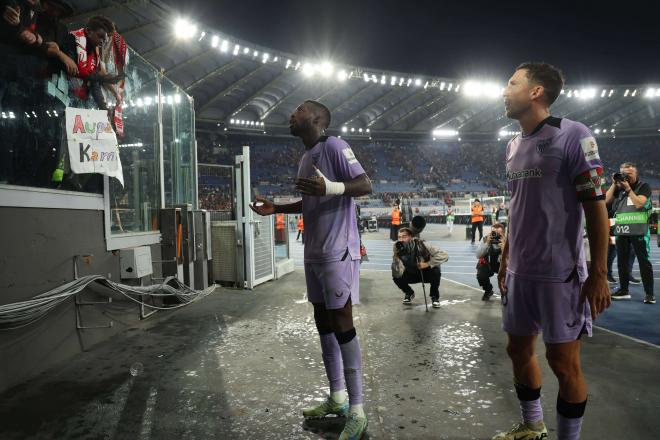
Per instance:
x=489, y=253
x=631, y=203
x=416, y=261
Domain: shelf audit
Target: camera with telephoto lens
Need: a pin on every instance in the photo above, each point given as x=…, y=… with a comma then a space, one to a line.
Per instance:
x=401, y=247
x=494, y=237
x=620, y=177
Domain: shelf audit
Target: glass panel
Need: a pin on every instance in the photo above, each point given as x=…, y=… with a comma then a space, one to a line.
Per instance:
x=134, y=207
x=178, y=144
x=281, y=238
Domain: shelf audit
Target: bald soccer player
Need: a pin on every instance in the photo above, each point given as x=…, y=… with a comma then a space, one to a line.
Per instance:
x=329, y=176
x=554, y=172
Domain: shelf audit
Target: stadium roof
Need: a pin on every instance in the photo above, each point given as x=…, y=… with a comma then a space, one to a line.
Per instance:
x=241, y=87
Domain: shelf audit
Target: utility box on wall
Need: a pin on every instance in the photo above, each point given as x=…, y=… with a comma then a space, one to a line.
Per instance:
x=135, y=262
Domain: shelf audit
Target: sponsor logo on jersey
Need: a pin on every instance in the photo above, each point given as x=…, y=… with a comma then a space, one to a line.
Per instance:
x=524, y=174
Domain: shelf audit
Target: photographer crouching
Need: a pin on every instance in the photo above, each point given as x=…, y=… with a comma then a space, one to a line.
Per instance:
x=489, y=253
x=416, y=261
x=631, y=203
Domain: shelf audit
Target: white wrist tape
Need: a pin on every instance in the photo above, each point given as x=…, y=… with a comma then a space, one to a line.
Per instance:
x=331, y=188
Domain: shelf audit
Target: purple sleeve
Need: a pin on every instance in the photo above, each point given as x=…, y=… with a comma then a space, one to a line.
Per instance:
x=581, y=151
x=345, y=165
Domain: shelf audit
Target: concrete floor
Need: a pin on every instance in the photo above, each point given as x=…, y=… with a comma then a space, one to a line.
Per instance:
x=241, y=365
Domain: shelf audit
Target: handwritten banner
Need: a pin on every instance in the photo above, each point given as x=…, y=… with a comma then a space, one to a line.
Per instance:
x=92, y=143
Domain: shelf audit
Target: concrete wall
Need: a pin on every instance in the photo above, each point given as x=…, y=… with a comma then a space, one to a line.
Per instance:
x=38, y=246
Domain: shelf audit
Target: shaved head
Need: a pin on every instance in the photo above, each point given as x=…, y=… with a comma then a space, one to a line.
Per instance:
x=321, y=111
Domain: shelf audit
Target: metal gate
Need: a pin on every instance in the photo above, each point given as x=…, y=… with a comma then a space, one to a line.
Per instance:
x=253, y=231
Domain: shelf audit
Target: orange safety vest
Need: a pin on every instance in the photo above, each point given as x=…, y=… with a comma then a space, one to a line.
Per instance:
x=396, y=217
x=301, y=225
x=279, y=221
x=477, y=214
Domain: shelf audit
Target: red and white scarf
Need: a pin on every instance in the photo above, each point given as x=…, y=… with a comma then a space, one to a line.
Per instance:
x=87, y=65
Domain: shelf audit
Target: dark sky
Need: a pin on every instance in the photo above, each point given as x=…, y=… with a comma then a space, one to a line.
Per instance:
x=592, y=42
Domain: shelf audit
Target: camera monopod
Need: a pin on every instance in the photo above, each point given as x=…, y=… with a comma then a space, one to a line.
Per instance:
x=417, y=225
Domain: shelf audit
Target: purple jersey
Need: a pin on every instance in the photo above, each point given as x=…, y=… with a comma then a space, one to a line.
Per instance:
x=549, y=173
x=330, y=221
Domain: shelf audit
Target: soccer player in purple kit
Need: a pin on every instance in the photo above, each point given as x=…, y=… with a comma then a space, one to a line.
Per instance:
x=329, y=176
x=554, y=174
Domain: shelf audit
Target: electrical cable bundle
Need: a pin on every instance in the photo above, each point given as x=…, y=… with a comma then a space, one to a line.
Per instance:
x=23, y=313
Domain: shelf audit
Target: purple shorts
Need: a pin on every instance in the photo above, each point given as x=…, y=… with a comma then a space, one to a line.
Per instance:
x=552, y=308
x=333, y=283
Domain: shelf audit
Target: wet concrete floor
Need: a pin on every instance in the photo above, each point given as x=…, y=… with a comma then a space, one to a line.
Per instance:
x=241, y=365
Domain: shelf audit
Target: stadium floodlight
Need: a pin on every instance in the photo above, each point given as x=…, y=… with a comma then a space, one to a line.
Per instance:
x=224, y=47
x=503, y=133
x=449, y=87
x=264, y=58
x=481, y=89
x=611, y=92
x=326, y=69
x=366, y=77
x=657, y=92
x=246, y=50
x=184, y=29
x=442, y=85
x=597, y=131
x=214, y=41
x=650, y=92
x=605, y=130
x=288, y=63
x=626, y=92
x=408, y=82
x=308, y=69
x=255, y=53
x=374, y=79
x=297, y=66
x=275, y=59
x=570, y=93
x=634, y=92
x=341, y=76
x=236, y=49
x=401, y=80
x=382, y=79
x=367, y=130
x=445, y=132
x=418, y=82
x=587, y=93
x=140, y=103
x=360, y=130
x=201, y=36
x=392, y=80
x=352, y=129
x=177, y=98
x=231, y=121
x=344, y=129
x=458, y=87
x=426, y=84
x=602, y=94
